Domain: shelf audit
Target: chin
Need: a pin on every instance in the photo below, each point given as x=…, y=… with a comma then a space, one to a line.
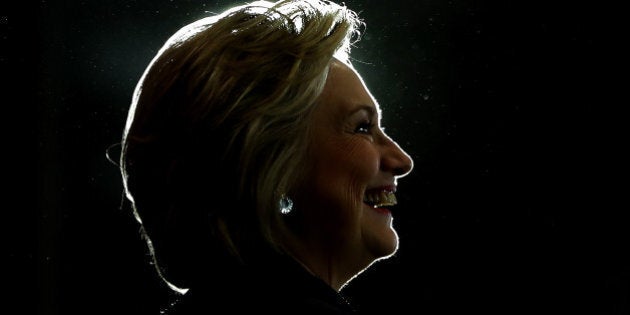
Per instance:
x=384, y=245
x=379, y=236
x=391, y=248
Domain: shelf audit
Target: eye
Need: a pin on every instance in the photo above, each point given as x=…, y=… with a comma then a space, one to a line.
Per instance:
x=364, y=127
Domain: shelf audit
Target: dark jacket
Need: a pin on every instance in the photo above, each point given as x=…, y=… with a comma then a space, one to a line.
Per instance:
x=279, y=285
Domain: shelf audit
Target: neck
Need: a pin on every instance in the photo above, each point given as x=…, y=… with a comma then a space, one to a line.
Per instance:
x=319, y=262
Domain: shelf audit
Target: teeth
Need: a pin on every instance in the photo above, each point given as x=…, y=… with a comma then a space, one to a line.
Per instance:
x=380, y=199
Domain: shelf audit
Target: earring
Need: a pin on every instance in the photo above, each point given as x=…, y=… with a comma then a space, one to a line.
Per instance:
x=286, y=204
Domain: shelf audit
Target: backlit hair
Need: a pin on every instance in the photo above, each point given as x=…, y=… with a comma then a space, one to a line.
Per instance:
x=218, y=125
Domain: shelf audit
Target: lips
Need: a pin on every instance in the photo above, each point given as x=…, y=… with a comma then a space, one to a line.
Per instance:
x=380, y=197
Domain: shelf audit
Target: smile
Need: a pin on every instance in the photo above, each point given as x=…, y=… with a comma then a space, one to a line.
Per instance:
x=380, y=198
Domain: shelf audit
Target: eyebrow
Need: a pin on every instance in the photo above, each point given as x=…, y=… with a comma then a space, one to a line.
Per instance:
x=371, y=109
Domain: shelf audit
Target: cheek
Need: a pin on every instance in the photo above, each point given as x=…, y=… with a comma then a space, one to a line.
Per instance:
x=361, y=162
x=345, y=171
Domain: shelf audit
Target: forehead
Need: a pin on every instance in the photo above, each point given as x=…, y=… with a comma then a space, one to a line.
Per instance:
x=346, y=91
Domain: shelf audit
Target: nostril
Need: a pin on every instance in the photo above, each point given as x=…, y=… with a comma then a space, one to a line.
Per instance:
x=408, y=165
x=400, y=171
x=400, y=163
x=403, y=170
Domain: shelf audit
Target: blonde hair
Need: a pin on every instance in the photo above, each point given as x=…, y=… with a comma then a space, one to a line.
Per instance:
x=217, y=129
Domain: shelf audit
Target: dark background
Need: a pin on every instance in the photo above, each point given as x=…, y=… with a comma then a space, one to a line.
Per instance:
x=511, y=110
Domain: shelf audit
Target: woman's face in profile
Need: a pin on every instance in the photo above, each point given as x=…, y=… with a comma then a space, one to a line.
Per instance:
x=353, y=176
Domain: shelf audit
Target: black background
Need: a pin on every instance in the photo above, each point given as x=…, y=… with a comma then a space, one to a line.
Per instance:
x=511, y=110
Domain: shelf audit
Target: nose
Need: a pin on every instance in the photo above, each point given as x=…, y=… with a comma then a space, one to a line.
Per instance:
x=394, y=159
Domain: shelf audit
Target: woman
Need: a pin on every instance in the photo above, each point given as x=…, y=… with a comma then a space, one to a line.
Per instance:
x=255, y=163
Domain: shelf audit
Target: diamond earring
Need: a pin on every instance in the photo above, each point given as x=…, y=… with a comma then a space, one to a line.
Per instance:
x=286, y=204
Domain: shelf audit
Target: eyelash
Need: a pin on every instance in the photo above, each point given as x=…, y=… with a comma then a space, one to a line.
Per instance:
x=364, y=127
